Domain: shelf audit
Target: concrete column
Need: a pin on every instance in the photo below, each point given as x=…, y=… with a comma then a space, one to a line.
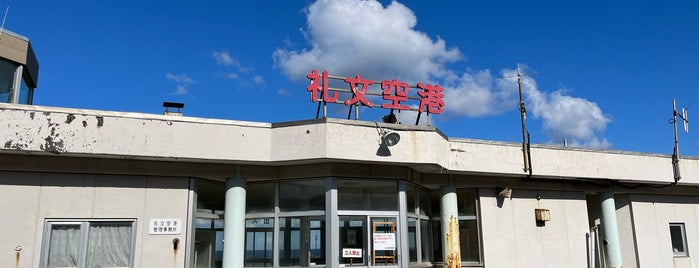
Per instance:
x=332, y=231
x=610, y=230
x=234, y=224
x=451, y=248
x=404, y=258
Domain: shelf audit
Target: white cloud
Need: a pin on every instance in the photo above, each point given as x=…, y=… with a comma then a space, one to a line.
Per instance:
x=180, y=78
x=180, y=90
x=347, y=37
x=475, y=95
x=232, y=76
x=577, y=120
x=258, y=80
x=283, y=92
x=181, y=81
x=224, y=58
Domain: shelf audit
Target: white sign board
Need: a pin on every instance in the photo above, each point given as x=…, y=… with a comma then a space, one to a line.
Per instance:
x=385, y=241
x=351, y=252
x=165, y=226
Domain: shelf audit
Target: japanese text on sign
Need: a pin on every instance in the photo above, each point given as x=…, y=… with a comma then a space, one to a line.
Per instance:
x=351, y=252
x=385, y=241
x=165, y=226
x=394, y=92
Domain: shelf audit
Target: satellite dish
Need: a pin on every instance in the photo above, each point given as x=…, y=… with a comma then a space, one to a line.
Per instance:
x=391, y=138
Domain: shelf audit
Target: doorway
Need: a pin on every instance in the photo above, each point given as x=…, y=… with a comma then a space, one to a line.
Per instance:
x=369, y=241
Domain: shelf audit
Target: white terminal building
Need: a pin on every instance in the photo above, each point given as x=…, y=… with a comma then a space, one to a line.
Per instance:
x=88, y=188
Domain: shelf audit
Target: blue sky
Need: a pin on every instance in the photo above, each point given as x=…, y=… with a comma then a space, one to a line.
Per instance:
x=605, y=71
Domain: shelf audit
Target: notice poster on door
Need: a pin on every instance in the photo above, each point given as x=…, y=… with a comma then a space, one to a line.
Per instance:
x=384, y=241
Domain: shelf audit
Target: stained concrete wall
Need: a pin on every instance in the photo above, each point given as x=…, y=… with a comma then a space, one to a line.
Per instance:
x=652, y=215
x=511, y=237
x=101, y=134
x=33, y=197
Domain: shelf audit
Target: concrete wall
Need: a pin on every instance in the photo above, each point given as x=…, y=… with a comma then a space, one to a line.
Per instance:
x=29, y=198
x=652, y=215
x=511, y=237
x=101, y=134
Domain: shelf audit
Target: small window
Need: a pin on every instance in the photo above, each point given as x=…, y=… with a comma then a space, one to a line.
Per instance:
x=679, y=240
x=82, y=244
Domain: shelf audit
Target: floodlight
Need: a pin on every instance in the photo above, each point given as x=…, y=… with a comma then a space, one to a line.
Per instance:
x=390, y=138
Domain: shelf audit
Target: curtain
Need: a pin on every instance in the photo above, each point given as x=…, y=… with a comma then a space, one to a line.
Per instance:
x=109, y=245
x=64, y=247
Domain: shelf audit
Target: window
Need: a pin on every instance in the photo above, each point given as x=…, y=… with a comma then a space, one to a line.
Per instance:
x=301, y=241
x=367, y=195
x=7, y=78
x=679, y=240
x=87, y=244
x=259, y=236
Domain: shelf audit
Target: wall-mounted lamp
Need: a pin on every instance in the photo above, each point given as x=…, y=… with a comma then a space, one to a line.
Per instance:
x=387, y=139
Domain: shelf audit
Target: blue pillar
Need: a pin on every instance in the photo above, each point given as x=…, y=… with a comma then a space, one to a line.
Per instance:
x=234, y=224
x=610, y=229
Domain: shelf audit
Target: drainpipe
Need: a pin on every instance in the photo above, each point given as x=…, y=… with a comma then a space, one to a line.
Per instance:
x=450, y=227
x=234, y=225
x=610, y=229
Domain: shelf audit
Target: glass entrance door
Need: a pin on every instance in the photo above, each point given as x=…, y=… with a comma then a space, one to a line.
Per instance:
x=384, y=241
x=368, y=241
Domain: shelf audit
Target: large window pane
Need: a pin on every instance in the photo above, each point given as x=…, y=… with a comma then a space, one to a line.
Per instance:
x=259, y=235
x=7, y=77
x=425, y=241
x=302, y=195
x=437, y=241
x=367, y=195
x=412, y=239
x=411, y=198
x=64, y=246
x=25, y=93
x=424, y=202
x=301, y=241
x=468, y=235
x=109, y=244
x=467, y=202
x=259, y=197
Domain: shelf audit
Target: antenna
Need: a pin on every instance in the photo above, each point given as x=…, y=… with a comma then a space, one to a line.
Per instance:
x=676, y=150
x=525, y=134
x=2, y=26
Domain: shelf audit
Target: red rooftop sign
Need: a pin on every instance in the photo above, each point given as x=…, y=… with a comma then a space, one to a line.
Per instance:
x=394, y=93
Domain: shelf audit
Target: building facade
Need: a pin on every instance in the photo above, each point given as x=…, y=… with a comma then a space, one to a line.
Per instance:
x=85, y=188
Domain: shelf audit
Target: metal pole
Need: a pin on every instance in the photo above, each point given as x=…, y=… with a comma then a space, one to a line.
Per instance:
x=676, y=150
x=611, y=229
x=234, y=225
x=523, y=117
x=450, y=227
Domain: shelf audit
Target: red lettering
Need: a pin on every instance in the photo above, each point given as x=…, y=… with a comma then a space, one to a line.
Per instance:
x=394, y=91
x=319, y=84
x=431, y=98
x=358, y=94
